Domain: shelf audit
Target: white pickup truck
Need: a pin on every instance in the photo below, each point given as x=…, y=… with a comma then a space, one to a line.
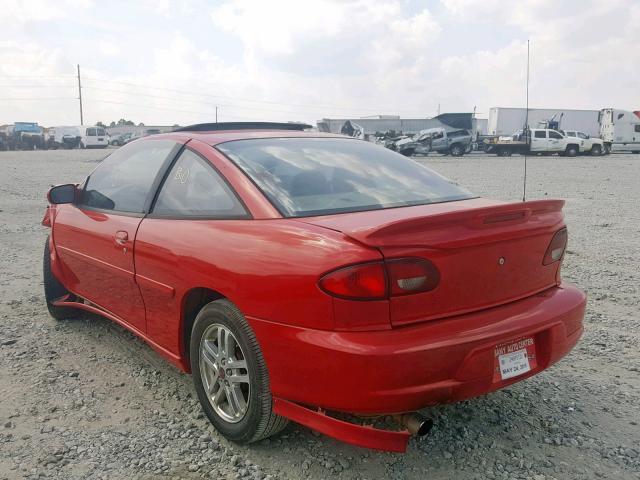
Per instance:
x=588, y=145
x=543, y=141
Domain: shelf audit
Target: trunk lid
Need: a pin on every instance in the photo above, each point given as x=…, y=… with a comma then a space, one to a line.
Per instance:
x=488, y=253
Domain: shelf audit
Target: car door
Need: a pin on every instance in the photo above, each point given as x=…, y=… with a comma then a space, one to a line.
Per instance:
x=95, y=237
x=555, y=141
x=438, y=142
x=539, y=141
x=195, y=202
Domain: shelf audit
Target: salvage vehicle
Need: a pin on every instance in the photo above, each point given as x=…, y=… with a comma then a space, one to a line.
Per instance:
x=93, y=137
x=456, y=143
x=62, y=137
x=312, y=277
x=543, y=141
x=588, y=145
x=24, y=136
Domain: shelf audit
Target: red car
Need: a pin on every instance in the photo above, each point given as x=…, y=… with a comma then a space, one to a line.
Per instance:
x=306, y=276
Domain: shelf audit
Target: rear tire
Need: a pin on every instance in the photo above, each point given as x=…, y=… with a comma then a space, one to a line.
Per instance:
x=257, y=420
x=571, y=151
x=596, y=150
x=53, y=289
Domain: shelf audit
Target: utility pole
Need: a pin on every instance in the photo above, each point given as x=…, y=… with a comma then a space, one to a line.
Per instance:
x=80, y=96
x=216, y=114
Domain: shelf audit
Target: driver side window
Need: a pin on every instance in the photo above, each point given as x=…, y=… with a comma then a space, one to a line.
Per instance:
x=555, y=135
x=123, y=180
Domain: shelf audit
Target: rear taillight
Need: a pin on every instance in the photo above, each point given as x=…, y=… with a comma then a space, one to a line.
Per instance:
x=366, y=281
x=411, y=275
x=556, y=248
x=380, y=280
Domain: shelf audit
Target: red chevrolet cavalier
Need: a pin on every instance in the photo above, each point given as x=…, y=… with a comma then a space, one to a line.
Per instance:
x=302, y=276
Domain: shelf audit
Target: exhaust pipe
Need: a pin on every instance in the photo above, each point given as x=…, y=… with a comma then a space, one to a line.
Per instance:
x=415, y=423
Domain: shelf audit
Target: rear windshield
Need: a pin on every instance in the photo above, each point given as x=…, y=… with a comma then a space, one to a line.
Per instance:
x=320, y=176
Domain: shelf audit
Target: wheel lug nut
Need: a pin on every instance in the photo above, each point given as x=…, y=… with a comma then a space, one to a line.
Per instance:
x=228, y=371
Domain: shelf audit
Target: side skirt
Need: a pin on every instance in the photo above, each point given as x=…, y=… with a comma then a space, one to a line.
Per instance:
x=83, y=304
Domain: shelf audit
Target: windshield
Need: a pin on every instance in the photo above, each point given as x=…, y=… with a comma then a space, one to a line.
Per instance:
x=320, y=176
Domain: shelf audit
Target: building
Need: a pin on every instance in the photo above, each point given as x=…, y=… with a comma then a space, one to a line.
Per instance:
x=407, y=126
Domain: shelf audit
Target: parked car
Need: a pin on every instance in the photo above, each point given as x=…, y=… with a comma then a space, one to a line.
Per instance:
x=537, y=141
x=62, y=137
x=93, y=137
x=122, y=139
x=588, y=145
x=298, y=274
x=456, y=143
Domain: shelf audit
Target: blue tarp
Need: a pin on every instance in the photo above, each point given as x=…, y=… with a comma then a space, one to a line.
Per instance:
x=29, y=127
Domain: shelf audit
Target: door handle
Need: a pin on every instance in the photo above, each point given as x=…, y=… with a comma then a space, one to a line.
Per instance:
x=121, y=237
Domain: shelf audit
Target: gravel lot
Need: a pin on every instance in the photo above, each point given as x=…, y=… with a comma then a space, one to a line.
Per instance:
x=86, y=399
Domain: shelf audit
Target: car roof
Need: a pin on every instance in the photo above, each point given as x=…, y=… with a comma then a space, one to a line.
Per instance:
x=221, y=136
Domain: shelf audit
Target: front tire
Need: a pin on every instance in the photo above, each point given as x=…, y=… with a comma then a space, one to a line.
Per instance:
x=456, y=150
x=53, y=289
x=408, y=152
x=230, y=375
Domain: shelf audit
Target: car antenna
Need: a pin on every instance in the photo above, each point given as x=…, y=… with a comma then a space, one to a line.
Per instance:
x=527, y=132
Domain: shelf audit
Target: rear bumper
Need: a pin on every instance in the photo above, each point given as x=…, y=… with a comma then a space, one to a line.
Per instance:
x=409, y=368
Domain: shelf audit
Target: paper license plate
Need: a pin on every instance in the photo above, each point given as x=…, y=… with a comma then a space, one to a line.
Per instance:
x=514, y=359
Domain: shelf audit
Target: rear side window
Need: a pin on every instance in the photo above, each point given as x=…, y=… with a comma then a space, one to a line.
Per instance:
x=319, y=176
x=554, y=135
x=194, y=188
x=540, y=134
x=122, y=182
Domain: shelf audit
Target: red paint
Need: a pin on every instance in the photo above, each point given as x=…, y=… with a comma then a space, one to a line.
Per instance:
x=398, y=353
x=363, y=436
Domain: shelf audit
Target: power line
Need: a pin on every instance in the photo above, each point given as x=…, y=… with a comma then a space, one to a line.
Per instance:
x=317, y=106
x=39, y=98
x=37, y=76
x=229, y=105
x=36, y=86
x=155, y=107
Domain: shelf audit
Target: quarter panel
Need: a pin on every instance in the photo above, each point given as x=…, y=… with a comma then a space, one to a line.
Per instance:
x=268, y=268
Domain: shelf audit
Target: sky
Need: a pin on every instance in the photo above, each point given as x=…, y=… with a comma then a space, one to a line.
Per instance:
x=165, y=62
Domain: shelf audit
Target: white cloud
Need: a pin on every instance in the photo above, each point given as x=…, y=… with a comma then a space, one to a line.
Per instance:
x=108, y=48
x=307, y=60
x=23, y=11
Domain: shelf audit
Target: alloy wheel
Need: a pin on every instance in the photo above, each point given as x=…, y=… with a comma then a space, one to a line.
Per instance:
x=224, y=373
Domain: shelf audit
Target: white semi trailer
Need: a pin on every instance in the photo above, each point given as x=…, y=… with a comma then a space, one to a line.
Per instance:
x=506, y=121
x=618, y=129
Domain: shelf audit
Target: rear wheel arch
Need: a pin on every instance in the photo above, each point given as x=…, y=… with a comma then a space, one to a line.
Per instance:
x=192, y=302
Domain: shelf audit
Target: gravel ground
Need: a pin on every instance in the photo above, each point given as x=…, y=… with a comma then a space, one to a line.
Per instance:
x=86, y=399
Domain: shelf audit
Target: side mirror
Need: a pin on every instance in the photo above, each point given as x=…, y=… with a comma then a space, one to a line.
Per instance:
x=62, y=194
